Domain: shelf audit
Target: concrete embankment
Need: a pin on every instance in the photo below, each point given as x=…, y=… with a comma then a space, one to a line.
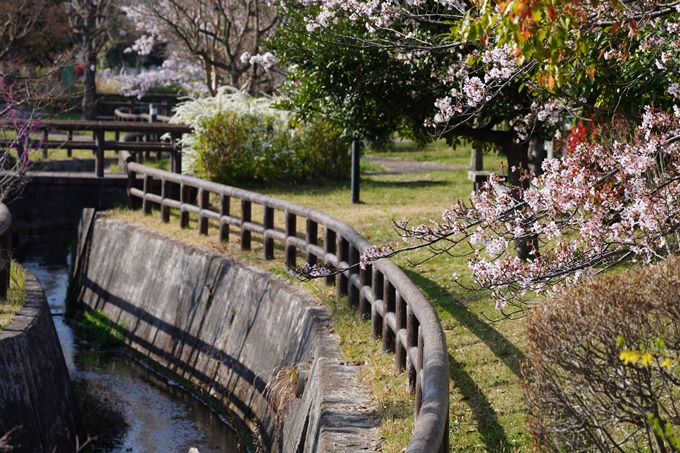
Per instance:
x=227, y=328
x=38, y=406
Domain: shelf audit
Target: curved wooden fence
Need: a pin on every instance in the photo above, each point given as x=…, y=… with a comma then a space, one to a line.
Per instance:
x=399, y=313
x=5, y=249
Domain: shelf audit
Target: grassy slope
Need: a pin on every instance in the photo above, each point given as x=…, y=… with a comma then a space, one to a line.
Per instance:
x=486, y=410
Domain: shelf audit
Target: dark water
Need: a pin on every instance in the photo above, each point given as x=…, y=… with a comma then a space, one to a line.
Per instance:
x=162, y=417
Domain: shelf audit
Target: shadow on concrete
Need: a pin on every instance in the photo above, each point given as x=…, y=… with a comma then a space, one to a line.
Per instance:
x=181, y=340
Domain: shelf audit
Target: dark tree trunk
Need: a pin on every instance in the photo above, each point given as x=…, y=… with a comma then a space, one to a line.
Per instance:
x=518, y=158
x=536, y=155
x=90, y=88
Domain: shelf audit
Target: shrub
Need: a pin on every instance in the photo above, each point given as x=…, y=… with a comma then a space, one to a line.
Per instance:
x=238, y=139
x=602, y=367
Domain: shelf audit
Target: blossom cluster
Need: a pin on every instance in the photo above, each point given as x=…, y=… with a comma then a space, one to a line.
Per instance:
x=309, y=271
x=607, y=201
x=183, y=75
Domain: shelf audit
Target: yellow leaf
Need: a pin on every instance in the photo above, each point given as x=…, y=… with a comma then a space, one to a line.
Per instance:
x=646, y=359
x=666, y=363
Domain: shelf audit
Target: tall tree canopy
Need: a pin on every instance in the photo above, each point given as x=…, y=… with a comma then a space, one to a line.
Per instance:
x=222, y=34
x=612, y=65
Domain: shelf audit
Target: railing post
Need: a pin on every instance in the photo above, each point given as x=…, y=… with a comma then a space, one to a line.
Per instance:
x=224, y=212
x=268, y=224
x=329, y=245
x=400, y=349
x=378, y=292
x=246, y=211
x=132, y=179
x=45, y=138
x=312, y=237
x=6, y=256
x=148, y=188
x=99, y=156
x=388, y=335
x=343, y=256
x=419, y=372
x=203, y=202
x=175, y=154
x=183, y=198
x=365, y=277
x=291, y=231
x=69, y=138
x=412, y=325
x=352, y=290
x=165, y=193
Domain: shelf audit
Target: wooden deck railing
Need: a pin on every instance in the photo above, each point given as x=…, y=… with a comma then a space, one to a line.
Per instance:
x=5, y=249
x=399, y=313
x=99, y=145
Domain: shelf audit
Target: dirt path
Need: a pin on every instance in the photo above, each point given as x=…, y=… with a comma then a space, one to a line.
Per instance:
x=396, y=166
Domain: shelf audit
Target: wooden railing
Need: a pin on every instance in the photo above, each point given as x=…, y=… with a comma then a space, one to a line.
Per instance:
x=107, y=103
x=99, y=145
x=399, y=313
x=5, y=249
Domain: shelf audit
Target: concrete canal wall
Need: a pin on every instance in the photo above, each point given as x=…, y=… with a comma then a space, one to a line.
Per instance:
x=37, y=404
x=227, y=328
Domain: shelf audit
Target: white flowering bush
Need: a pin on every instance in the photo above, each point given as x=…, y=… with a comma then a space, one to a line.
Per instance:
x=176, y=74
x=241, y=139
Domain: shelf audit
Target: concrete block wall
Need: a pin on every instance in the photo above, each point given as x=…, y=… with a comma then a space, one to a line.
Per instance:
x=224, y=326
x=37, y=402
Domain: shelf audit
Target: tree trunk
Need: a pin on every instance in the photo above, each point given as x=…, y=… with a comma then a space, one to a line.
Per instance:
x=536, y=155
x=518, y=158
x=90, y=87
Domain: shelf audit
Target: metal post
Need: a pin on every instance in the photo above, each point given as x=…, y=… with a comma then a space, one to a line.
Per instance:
x=356, y=170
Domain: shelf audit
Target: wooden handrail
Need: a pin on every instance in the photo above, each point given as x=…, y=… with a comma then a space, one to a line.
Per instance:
x=399, y=312
x=99, y=144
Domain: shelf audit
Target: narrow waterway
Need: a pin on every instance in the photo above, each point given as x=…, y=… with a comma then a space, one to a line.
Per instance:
x=161, y=416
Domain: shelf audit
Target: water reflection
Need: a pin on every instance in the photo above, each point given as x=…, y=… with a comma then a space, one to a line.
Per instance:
x=162, y=417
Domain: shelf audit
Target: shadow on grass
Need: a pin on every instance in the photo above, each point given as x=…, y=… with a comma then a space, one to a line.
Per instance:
x=507, y=352
x=490, y=430
x=410, y=183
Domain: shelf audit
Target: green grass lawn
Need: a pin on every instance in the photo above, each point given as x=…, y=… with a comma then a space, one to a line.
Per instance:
x=486, y=410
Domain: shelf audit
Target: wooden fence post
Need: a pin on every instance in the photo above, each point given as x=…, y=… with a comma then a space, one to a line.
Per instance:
x=148, y=188
x=311, y=238
x=246, y=212
x=329, y=244
x=378, y=293
x=99, y=156
x=291, y=231
x=224, y=211
x=268, y=224
x=352, y=290
x=343, y=252
x=183, y=198
x=389, y=300
x=165, y=193
x=203, y=202
x=365, y=279
x=400, y=350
